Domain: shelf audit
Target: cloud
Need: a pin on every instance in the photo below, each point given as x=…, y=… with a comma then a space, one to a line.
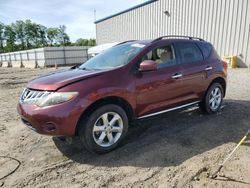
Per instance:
x=77, y=15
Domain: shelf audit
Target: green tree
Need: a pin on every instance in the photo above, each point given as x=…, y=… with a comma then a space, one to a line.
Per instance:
x=42, y=32
x=63, y=38
x=1, y=37
x=81, y=42
x=85, y=42
x=92, y=42
x=23, y=35
x=52, y=34
x=10, y=37
x=33, y=33
x=19, y=28
x=29, y=34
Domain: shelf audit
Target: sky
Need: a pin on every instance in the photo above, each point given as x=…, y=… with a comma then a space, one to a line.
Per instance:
x=76, y=15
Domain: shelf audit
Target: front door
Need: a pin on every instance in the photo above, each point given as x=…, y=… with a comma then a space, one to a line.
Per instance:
x=160, y=89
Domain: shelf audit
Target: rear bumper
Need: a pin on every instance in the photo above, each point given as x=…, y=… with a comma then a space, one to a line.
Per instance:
x=57, y=120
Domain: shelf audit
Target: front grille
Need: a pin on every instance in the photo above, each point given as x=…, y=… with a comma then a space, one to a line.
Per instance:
x=30, y=95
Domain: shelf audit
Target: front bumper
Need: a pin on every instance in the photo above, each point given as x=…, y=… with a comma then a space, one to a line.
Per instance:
x=56, y=120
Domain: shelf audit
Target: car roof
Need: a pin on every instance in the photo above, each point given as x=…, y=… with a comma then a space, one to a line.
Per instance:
x=167, y=40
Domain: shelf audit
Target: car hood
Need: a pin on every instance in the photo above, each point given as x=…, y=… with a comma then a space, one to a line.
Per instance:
x=58, y=79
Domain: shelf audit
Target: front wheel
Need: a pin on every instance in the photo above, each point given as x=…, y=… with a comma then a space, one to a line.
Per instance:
x=213, y=99
x=104, y=129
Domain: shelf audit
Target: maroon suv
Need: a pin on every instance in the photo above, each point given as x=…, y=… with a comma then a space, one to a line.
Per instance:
x=136, y=79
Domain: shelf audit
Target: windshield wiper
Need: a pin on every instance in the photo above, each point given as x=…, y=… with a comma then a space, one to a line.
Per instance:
x=74, y=67
x=82, y=68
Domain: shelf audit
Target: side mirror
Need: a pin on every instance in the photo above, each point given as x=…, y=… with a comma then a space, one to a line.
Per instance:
x=148, y=65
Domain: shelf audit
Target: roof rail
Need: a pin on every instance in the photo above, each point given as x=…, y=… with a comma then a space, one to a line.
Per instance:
x=177, y=36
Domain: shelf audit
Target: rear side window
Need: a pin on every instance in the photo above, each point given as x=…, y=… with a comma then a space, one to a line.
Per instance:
x=206, y=49
x=188, y=52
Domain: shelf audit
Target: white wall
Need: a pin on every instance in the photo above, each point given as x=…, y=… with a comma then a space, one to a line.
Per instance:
x=48, y=56
x=225, y=23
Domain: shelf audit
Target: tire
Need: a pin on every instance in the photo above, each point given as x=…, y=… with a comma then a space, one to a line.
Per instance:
x=214, y=93
x=97, y=130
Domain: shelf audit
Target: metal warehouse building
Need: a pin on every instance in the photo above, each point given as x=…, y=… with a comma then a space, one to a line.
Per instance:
x=225, y=23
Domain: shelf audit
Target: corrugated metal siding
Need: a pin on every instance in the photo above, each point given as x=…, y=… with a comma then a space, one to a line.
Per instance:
x=225, y=23
x=48, y=56
x=65, y=55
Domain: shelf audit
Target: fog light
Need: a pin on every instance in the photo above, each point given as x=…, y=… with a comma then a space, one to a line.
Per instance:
x=49, y=127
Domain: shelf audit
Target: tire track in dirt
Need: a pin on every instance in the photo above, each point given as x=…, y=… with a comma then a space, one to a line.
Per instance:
x=170, y=150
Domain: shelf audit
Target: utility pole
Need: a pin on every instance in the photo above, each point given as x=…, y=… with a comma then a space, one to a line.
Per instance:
x=94, y=14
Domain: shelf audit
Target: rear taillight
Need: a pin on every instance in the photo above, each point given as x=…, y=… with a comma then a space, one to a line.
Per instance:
x=225, y=65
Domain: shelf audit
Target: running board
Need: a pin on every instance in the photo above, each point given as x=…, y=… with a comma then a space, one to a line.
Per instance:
x=168, y=110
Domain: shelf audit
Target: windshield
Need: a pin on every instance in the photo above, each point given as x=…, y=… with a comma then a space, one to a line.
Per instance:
x=114, y=57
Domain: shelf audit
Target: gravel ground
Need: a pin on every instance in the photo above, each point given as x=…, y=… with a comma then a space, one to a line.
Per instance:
x=177, y=149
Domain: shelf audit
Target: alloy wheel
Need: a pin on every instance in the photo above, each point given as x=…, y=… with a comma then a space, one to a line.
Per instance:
x=215, y=98
x=108, y=129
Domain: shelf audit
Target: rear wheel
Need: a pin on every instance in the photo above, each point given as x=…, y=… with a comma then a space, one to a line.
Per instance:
x=104, y=129
x=213, y=99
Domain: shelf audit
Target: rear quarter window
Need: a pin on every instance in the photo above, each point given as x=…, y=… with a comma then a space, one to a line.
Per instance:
x=206, y=49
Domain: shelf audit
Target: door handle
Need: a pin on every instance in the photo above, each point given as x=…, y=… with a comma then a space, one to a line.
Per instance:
x=208, y=68
x=176, y=76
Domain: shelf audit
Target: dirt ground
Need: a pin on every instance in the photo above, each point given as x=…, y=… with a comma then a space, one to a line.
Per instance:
x=177, y=149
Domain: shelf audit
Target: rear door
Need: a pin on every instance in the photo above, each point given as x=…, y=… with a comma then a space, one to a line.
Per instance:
x=193, y=69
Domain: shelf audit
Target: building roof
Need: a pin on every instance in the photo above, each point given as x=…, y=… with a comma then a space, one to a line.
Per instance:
x=127, y=10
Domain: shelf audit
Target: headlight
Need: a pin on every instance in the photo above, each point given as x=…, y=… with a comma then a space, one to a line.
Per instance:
x=56, y=98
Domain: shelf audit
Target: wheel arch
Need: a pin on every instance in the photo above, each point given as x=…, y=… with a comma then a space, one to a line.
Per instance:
x=221, y=81
x=125, y=105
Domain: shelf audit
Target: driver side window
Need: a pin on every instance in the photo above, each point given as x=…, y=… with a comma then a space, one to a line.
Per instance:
x=164, y=56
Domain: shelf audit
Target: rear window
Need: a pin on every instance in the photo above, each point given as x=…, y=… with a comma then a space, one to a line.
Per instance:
x=206, y=49
x=189, y=52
